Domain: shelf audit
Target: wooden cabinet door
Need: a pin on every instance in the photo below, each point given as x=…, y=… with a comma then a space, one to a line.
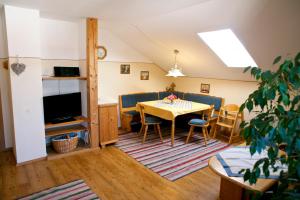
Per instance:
x=108, y=123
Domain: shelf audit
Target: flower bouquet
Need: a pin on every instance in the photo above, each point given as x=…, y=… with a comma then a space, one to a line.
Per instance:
x=170, y=98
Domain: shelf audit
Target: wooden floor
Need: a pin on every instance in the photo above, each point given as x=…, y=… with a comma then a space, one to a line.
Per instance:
x=109, y=172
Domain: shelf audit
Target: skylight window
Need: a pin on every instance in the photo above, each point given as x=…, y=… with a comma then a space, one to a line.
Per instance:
x=228, y=47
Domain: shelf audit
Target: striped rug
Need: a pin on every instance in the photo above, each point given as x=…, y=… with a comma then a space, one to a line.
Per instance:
x=170, y=162
x=73, y=190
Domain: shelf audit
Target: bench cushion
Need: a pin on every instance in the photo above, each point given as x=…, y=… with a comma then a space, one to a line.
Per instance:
x=206, y=99
x=152, y=120
x=197, y=122
x=130, y=100
x=163, y=95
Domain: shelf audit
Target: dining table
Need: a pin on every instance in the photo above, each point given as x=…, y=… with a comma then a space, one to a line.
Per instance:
x=170, y=110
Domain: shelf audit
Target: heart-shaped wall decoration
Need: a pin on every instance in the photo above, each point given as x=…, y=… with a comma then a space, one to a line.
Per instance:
x=18, y=68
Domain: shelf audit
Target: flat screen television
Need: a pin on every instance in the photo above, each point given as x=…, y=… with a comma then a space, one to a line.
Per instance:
x=62, y=108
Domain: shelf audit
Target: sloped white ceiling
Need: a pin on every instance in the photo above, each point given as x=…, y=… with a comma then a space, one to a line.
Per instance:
x=155, y=28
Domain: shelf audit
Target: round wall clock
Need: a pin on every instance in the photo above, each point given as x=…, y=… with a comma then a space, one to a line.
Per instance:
x=101, y=52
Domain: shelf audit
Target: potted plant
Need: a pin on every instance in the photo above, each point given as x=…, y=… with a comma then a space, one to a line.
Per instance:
x=276, y=125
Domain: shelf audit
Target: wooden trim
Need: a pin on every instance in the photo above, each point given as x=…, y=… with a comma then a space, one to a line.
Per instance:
x=78, y=120
x=219, y=79
x=92, y=80
x=7, y=149
x=2, y=138
x=75, y=152
x=31, y=161
x=107, y=105
x=65, y=130
x=64, y=78
x=5, y=64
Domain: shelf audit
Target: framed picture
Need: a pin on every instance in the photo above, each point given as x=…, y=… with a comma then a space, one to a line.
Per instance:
x=144, y=75
x=205, y=88
x=125, y=69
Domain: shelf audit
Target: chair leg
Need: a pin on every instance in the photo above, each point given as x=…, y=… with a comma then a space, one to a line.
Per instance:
x=145, y=133
x=190, y=133
x=212, y=128
x=215, y=131
x=204, y=131
x=159, y=132
x=207, y=134
x=231, y=136
x=141, y=130
x=155, y=128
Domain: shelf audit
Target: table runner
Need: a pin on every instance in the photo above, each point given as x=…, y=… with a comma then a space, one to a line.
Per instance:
x=237, y=158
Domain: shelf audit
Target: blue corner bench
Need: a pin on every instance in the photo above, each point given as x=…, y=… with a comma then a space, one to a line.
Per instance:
x=127, y=104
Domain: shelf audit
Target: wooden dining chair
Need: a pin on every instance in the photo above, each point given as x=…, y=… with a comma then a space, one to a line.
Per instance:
x=227, y=119
x=202, y=123
x=146, y=121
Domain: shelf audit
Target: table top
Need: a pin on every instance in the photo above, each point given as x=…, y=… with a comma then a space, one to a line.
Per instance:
x=171, y=110
x=261, y=184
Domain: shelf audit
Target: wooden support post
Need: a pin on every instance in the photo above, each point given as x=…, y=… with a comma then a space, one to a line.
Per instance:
x=92, y=79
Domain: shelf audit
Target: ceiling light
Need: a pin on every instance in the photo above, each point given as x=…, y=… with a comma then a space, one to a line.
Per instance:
x=228, y=48
x=175, y=71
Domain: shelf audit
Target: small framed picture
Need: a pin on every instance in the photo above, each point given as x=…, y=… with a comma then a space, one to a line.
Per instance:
x=144, y=75
x=205, y=88
x=125, y=69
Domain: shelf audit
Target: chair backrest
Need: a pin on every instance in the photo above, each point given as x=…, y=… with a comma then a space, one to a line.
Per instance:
x=141, y=109
x=208, y=113
x=229, y=114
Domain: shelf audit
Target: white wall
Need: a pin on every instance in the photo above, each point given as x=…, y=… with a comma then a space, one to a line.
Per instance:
x=111, y=83
x=26, y=89
x=117, y=50
x=59, y=39
x=23, y=32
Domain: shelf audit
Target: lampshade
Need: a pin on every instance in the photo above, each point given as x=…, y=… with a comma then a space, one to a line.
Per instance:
x=175, y=71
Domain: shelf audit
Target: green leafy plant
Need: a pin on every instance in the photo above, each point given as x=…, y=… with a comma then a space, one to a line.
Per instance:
x=276, y=125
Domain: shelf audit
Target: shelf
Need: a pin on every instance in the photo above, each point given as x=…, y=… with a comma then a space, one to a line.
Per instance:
x=65, y=130
x=78, y=120
x=81, y=148
x=64, y=78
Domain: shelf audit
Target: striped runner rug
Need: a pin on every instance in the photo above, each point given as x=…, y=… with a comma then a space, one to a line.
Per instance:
x=73, y=190
x=170, y=162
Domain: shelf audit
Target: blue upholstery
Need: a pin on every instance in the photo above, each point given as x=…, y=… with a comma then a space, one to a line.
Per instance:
x=162, y=95
x=130, y=100
x=197, y=122
x=133, y=113
x=210, y=100
x=180, y=95
x=152, y=120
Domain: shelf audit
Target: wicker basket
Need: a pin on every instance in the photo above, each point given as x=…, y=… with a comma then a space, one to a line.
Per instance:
x=66, y=143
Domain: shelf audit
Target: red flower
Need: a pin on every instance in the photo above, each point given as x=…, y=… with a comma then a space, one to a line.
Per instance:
x=172, y=97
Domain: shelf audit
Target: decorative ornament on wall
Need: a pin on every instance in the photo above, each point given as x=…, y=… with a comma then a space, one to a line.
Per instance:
x=171, y=88
x=17, y=67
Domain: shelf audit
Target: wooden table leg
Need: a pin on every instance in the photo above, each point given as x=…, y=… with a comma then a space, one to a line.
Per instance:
x=230, y=190
x=173, y=132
